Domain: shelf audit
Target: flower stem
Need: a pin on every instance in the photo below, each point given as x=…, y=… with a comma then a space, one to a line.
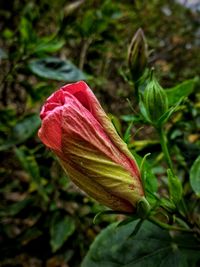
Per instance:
x=163, y=142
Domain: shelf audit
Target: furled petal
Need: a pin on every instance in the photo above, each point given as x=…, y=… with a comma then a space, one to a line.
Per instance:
x=85, y=96
x=50, y=132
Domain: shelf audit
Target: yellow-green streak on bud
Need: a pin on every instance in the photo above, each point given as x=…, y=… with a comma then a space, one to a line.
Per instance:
x=155, y=100
x=137, y=55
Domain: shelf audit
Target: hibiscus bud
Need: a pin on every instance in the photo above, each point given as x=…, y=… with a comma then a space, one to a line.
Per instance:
x=76, y=128
x=137, y=55
x=155, y=100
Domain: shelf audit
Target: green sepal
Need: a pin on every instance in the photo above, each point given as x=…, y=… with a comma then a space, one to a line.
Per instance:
x=143, y=208
x=108, y=212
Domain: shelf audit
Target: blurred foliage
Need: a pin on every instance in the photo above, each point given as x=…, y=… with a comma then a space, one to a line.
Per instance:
x=44, y=219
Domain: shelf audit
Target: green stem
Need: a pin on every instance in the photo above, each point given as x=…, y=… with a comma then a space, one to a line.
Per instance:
x=169, y=227
x=163, y=141
x=136, y=85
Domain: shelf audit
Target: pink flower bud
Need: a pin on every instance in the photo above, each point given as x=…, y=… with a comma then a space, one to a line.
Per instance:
x=77, y=129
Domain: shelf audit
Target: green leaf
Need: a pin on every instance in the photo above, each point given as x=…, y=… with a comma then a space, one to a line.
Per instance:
x=131, y=118
x=29, y=235
x=61, y=229
x=26, y=128
x=164, y=118
x=195, y=176
x=23, y=130
x=15, y=208
x=27, y=32
x=28, y=163
x=167, y=203
x=150, y=246
x=175, y=187
x=181, y=90
x=48, y=45
x=56, y=69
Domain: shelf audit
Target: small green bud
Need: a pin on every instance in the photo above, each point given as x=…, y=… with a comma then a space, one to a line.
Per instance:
x=155, y=100
x=137, y=55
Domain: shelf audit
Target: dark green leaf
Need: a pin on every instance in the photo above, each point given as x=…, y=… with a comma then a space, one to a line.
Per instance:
x=29, y=235
x=56, y=69
x=181, y=90
x=3, y=54
x=15, y=208
x=195, y=176
x=26, y=128
x=61, y=229
x=150, y=246
x=29, y=164
x=23, y=130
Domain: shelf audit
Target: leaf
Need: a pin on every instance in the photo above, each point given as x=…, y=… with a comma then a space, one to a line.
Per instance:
x=56, y=69
x=175, y=187
x=181, y=90
x=27, y=33
x=48, y=45
x=15, y=208
x=168, y=204
x=30, y=165
x=23, y=130
x=61, y=229
x=3, y=54
x=195, y=176
x=163, y=119
x=131, y=118
x=29, y=235
x=150, y=246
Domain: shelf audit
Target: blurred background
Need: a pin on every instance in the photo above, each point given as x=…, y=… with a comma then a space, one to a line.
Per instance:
x=44, y=219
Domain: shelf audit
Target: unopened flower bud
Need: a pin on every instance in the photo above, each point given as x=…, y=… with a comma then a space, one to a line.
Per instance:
x=137, y=55
x=155, y=100
x=79, y=132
